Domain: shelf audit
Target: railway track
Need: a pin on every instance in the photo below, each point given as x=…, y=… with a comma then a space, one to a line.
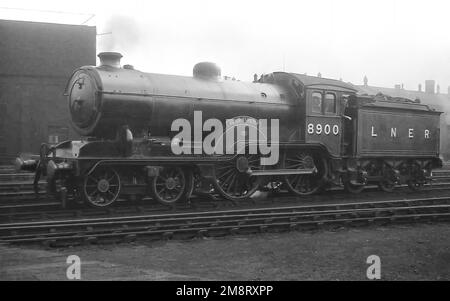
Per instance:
x=52, y=210
x=26, y=205
x=46, y=208
x=25, y=219
x=224, y=222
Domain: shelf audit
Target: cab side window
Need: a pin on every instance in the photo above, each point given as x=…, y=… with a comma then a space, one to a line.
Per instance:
x=316, y=102
x=330, y=103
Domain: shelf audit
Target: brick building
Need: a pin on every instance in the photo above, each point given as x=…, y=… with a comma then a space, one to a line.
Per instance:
x=36, y=60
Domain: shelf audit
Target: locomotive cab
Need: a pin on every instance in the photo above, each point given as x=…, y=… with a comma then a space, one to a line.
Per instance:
x=320, y=105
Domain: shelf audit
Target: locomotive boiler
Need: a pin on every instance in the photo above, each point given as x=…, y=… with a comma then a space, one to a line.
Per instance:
x=101, y=99
x=323, y=133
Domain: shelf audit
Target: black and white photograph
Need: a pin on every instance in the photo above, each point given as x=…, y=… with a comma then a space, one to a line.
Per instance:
x=225, y=148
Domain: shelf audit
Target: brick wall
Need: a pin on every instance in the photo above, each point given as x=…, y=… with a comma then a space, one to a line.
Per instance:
x=36, y=60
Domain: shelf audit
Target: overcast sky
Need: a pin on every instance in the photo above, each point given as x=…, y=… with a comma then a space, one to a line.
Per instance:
x=392, y=42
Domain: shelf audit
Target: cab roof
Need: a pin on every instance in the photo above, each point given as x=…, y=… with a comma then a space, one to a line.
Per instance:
x=323, y=83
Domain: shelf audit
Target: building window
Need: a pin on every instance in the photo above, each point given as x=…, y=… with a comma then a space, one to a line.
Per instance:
x=330, y=103
x=317, y=102
x=53, y=139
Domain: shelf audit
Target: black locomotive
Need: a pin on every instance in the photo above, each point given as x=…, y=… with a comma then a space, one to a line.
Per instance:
x=325, y=135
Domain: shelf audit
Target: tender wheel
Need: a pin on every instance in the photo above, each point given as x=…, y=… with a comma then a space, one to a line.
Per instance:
x=417, y=180
x=304, y=184
x=415, y=185
x=355, y=189
x=232, y=180
x=169, y=186
x=386, y=186
x=102, y=187
x=389, y=180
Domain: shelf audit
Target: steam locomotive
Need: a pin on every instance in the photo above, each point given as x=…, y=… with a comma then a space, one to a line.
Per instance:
x=145, y=134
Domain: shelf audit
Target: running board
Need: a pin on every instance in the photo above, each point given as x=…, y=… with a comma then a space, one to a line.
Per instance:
x=282, y=172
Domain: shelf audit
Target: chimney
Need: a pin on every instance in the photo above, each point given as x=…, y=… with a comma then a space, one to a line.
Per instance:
x=420, y=87
x=429, y=86
x=111, y=59
x=365, y=80
x=403, y=87
x=438, y=89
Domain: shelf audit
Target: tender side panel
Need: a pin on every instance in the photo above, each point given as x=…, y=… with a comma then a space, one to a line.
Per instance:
x=395, y=133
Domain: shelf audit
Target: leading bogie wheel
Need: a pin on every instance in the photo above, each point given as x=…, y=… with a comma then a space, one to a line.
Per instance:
x=101, y=187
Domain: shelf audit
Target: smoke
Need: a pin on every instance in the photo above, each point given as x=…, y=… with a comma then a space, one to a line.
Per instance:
x=119, y=33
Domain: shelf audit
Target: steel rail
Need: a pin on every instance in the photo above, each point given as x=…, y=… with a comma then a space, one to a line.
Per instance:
x=314, y=207
x=17, y=210
x=216, y=219
x=202, y=230
x=205, y=221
